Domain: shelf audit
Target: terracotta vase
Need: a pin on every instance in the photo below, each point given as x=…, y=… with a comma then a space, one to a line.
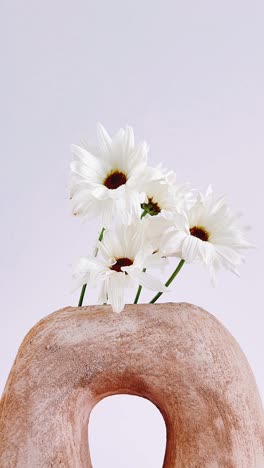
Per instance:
x=176, y=355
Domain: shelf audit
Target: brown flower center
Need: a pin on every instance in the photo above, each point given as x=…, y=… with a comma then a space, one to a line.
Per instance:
x=151, y=207
x=199, y=232
x=115, y=179
x=121, y=262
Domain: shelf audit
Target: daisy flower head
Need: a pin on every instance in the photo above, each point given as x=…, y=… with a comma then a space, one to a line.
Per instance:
x=164, y=202
x=162, y=195
x=123, y=257
x=208, y=233
x=106, y=179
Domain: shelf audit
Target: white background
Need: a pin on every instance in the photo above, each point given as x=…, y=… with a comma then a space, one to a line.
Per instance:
x=188, y=76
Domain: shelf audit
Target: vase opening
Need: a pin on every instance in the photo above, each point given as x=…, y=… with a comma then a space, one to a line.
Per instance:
x=126, y=430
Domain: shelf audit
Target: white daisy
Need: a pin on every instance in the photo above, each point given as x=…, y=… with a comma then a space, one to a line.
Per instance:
x=105, y=180
x=124, y=254
x=163, y=195
x=209, y=234
x=165, y=201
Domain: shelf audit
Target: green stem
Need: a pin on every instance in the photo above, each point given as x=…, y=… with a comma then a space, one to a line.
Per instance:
x=100, y=238
x=139, y=290
x=82, y=295
x=171, y=278
x=95, y=254
x=144, y=269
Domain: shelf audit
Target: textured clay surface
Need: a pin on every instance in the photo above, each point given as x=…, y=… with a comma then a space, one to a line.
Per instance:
x=176, y=355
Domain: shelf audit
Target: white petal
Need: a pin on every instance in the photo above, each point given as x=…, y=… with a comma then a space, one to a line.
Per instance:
x=115, y=291
x=86, y=264
x=107, y=212
x=129, y=141
x=212, y=274
x=104, y=140
x=89, y=147
x=103, y=296
x=84, y=156
x=190, y=249
x=117, y=193
x=228, y=257
x=155, y=260
x=206, y=251
x=100, y=192
x=149, y=281
x=172, y=242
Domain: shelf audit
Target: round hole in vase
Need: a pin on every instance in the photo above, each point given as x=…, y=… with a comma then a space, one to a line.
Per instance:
x=126, y=430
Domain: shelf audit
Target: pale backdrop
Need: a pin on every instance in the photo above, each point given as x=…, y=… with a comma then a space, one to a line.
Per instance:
x=189, y=77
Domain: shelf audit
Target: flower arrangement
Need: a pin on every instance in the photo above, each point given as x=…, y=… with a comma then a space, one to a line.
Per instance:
x=146, y=218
